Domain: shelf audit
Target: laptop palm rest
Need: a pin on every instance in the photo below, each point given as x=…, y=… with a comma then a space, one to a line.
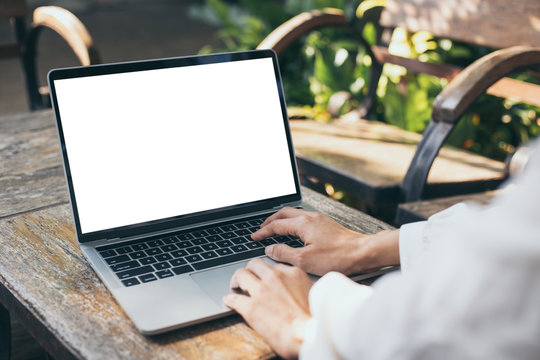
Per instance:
x=216, y=282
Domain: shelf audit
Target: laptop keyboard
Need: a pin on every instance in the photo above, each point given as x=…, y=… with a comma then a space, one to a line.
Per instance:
x=144, y=260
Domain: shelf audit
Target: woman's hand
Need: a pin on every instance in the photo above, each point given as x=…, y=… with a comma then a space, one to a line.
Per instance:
x=274, y=303
x=328, y=245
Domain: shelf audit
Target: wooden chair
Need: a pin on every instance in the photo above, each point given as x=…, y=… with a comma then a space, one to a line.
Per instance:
x=383, y=165
x=26, y=36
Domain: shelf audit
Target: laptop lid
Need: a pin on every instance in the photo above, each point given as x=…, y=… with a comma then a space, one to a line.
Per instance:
x=160, y=144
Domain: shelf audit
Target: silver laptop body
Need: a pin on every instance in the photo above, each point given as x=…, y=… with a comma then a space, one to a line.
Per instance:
x=163, y=149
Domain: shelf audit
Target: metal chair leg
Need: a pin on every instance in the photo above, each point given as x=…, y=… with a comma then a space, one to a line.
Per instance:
x=5, y=334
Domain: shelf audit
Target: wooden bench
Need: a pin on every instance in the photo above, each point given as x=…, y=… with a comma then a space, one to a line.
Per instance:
x=382, y=165
x=26, y=36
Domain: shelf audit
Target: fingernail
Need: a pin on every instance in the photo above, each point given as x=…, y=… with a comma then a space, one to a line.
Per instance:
x=270, y=250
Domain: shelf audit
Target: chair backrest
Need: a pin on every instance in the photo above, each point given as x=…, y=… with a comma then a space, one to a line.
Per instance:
x=492, y=23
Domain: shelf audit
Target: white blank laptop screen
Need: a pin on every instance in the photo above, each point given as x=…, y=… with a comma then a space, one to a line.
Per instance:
x=153, y=144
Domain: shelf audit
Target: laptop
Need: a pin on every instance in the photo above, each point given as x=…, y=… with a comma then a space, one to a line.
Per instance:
x=171, y=164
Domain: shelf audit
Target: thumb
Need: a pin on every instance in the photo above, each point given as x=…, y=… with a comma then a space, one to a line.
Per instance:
x=282, y=253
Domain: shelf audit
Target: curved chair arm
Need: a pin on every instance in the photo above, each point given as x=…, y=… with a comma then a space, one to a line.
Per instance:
x=474, y=80
x=453, y=101
x=300, y=25
x=72, y=30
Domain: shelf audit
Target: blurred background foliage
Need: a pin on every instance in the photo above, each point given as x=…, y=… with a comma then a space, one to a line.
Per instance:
x=332, y=59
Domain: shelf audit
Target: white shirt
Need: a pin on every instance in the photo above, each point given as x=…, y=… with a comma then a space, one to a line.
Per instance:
x=469, y=288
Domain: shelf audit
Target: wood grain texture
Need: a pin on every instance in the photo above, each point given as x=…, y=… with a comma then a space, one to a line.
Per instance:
x=31, y=173
x=49, y=286
x=493, y=23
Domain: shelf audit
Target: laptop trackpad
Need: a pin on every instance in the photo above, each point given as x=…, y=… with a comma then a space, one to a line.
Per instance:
x=216, y=282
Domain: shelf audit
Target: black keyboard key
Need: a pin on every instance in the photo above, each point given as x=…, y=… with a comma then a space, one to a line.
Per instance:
x=228, y=235
x=147, y=278
x=199, y=241
x=193, y=258
x=223, y=252
x=224, y=243
x=214, y=238
x=214, y=231
x=177, y=262
x=239, y=240
x=184, y=244
x=164, y=274
x=163, y=257
x=125, y=266
x=209, y=255
x=182, y=269
x=242, y=232
x=253, y=229
x=229, y=227
x=107, y=253
x=162, y=266
x=239, y=248
x=153, y=251
x=124, y=250
x=195, y=250
x=138, y=255
x=209, y=247
x=281, y=239
x=199, y=234
x=134, y=272
x=118, y=259
x=243, y=225
x=184, y=237
x=138, y=247
x=147, y=261
x=130, y=282
x=170, y=240
x=169, y=248
x=256, y=222
x=267, y=242
x=228, y=259
x=253, y=245
x=179, y=253
x=154, y=243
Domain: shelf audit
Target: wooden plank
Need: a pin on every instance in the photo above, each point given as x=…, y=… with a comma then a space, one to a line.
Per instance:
x=379, y=154
x=516, y=90
x=48, y=274
x=31, y=175
x=493, y=23
x=422, y=210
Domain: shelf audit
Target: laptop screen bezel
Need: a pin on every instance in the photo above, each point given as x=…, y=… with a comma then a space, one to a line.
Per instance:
x=179, y=221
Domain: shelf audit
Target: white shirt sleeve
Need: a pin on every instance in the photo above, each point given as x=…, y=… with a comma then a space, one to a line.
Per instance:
x=469, y=288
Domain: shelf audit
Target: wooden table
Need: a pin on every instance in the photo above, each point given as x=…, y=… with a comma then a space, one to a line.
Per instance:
x=47, y=284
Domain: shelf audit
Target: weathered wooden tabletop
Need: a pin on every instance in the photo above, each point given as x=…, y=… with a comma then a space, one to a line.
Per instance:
x=47, y=284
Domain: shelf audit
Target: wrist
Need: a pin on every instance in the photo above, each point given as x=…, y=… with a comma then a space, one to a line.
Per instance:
x=378, y=250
